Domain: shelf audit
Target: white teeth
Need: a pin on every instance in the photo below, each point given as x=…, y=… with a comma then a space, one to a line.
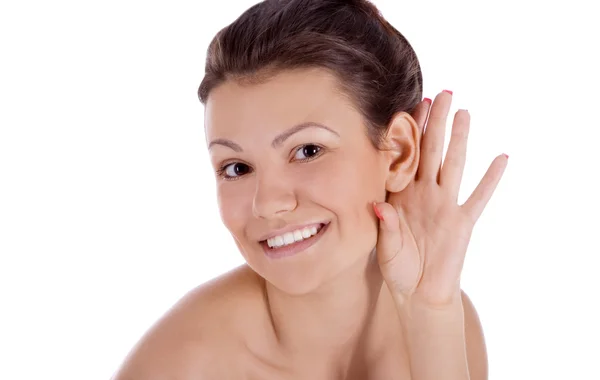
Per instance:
x=292, y=237
x=288, y=238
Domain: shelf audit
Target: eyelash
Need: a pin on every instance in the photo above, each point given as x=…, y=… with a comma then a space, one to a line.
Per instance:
x=221, y=170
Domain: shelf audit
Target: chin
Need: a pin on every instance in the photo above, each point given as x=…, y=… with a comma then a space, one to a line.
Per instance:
x=307, y=278
x=296, y=280
x=309, y=270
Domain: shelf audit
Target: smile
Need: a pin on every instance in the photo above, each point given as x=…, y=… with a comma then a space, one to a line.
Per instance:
x=293, y=242
x=293, y=236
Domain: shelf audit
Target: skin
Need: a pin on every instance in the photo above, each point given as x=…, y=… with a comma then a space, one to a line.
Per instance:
x=340, y=309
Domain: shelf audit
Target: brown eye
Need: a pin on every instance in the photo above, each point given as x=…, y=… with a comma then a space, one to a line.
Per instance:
x=235, y=169
x=307, y=152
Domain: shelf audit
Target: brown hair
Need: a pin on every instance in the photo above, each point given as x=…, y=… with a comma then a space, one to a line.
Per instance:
x=375, y=65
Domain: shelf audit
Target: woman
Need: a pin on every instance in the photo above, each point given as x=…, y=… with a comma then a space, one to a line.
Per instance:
x=348, y=222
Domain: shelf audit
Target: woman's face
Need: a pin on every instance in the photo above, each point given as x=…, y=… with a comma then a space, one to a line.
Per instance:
x=274, y=177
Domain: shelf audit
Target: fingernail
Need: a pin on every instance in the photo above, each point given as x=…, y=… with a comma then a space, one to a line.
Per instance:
x=505, y=155
x=377, y=212
x=448, y=91
x=427, y=100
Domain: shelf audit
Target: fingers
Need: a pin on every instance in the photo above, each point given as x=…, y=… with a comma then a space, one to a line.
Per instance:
x=432, y=145
x=420, y=113
x=454, y=162
x=485, y=189
x=389, y=242
x=398, y=258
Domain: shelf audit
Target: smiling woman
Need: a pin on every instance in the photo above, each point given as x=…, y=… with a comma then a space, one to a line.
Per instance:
x=350, y=230
x=279, y=181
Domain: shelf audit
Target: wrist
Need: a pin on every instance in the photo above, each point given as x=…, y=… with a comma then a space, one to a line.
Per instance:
x=435, y=339
x=430, y=318
x=423, y=320
x=420, y=301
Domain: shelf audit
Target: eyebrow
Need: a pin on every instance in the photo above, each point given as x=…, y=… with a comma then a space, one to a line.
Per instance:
x=278, y=140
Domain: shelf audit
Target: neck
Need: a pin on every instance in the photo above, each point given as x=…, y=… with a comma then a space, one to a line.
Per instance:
x=331, y=322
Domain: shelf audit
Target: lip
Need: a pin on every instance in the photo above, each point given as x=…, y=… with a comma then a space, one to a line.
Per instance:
x=282, y=231
x=293, y=249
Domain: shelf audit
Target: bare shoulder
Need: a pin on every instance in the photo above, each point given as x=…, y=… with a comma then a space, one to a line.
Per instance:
x=200, y=332
x=475, y=341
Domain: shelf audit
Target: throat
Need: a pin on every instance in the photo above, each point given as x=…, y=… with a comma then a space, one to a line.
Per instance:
x=333, y=320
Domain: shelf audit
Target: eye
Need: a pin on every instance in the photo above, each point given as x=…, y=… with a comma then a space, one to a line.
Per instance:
x=233, y=170
x=307, y=152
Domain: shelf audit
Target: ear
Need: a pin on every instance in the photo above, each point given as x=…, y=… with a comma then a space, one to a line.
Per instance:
x=402, y=149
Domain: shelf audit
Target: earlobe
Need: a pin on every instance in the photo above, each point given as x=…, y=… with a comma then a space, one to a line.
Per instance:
x=402, y=142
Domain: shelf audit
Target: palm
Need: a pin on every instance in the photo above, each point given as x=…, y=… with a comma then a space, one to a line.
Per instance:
x=433, y=235
x=435, y=230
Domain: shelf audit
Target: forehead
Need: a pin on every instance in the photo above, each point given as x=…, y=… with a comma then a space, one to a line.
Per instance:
x=285, y=99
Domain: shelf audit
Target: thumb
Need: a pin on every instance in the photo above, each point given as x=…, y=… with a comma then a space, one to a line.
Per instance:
x=389, y=241
x=398, y=258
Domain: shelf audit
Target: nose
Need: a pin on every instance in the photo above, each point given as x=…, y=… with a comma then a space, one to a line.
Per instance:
x=274, y=196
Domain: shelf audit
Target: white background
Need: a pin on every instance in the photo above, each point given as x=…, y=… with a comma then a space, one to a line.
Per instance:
x=107, y=202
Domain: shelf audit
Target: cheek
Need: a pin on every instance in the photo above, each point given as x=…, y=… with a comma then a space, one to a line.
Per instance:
x=346, y=184
x=347, y=187
x=352, y=176
x=234, y=204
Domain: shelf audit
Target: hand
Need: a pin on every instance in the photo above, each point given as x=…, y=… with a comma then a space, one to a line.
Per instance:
x=424, y=233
